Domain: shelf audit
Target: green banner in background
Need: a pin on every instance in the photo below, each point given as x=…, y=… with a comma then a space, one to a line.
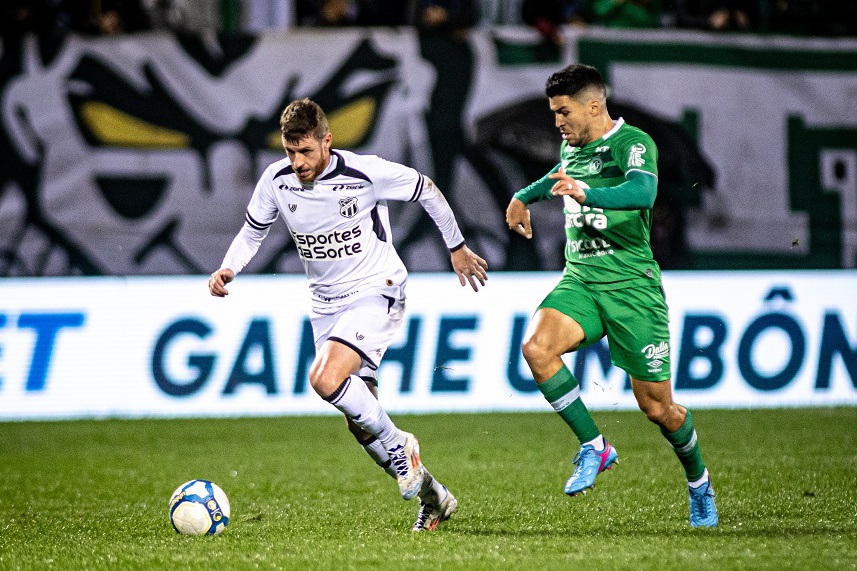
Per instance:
x=776, y=117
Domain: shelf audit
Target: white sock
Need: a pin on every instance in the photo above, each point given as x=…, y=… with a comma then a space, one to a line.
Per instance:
x=378, y=453
x=354, y=399
x=597, y=443
x=700, y=481
x=432, y=489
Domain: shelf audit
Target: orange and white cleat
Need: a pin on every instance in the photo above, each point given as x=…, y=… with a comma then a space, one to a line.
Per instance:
x=433, y=514
x=405, y=459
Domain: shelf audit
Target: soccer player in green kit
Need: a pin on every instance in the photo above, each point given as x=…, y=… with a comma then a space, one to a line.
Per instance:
x=607, y=178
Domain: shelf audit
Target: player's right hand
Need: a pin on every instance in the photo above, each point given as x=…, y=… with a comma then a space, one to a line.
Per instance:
x=218, y=280
x=518, y=218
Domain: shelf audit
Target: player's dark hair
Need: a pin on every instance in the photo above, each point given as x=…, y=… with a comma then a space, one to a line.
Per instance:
x=573, y=80
x=303, y=117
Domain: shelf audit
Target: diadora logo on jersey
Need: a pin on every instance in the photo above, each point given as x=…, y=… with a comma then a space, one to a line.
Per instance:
x=348, y=207
x=293, y=207
x=292, y=188
x=635, y=155
x=347, y=187
x=329, y=246
x=595, y=165
x=656, y=354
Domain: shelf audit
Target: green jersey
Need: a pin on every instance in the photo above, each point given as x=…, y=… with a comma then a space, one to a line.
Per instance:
x=607, y=244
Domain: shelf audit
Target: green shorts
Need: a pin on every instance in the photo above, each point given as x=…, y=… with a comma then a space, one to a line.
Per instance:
x=635, y=321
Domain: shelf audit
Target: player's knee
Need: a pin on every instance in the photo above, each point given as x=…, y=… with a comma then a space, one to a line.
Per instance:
x=535, y=353
x=656, y=412
x=321, y=380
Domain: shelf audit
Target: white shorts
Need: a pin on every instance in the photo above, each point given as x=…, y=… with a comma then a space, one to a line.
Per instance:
x=367, y=325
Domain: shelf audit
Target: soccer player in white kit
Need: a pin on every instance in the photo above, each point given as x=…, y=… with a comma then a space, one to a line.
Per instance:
x=335, y=205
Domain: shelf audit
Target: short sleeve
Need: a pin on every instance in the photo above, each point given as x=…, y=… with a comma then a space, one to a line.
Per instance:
x=262, y=211
x=394, y=181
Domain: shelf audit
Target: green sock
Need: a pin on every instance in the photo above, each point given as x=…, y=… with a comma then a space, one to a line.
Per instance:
x=687, y=448
x=563, y=394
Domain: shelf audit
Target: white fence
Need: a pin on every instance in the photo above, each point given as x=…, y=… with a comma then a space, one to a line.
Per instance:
x=131, y=347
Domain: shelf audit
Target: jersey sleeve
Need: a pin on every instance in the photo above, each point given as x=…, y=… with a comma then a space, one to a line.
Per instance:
x=638, y=153
x=244, y=246
x=261, y=213
x=435, y=204
x=636, y=193
x=394, y=181
x=538, y=190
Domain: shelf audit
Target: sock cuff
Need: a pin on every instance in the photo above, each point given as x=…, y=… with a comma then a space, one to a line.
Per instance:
x=561, y=383
x=369, y=440
x=334, y=396
x=684, y=434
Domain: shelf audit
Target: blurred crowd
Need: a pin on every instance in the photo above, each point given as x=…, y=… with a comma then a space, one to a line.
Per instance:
x=108, y=17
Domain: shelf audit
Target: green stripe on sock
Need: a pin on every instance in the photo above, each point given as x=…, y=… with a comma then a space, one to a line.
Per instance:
x=561, y=388
x=687, y=448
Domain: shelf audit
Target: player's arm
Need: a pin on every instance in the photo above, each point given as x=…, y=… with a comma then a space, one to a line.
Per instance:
x=638, y=192
x=399, y=182
x=538, y=190
x=517, y=213
x=261, y=213
x=469, y=267
x=244, y=246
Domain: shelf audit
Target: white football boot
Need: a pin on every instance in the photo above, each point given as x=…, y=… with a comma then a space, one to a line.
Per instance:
x=405, y=459
x=434, y=513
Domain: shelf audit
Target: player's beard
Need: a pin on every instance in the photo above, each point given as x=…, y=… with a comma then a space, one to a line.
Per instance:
x=315, y=171
x=581, y=138
x=308, y=176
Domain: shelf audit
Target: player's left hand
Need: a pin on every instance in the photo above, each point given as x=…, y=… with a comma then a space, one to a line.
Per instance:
x=567, y=186
x=469, y=267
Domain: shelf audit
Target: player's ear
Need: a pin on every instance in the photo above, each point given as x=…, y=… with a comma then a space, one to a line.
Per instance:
x=594, y=107
x=326, y=141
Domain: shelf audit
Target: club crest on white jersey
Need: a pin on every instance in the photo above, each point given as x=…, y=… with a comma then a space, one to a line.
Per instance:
x=348, y=207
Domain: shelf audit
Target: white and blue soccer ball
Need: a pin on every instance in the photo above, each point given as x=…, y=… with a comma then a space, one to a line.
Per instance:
x=199, y=507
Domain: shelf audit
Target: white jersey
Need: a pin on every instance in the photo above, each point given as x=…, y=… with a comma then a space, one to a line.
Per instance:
x=340, y=223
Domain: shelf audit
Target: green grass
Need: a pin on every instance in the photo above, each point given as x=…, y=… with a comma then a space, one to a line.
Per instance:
x=93, y=495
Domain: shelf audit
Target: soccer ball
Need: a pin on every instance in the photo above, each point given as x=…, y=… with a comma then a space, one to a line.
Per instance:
x=199, y=507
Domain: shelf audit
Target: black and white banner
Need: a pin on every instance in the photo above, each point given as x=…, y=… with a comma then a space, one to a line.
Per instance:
x=136, y=155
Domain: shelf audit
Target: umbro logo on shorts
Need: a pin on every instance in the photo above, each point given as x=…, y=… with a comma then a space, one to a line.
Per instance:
x=360, y=337
x=656, y=354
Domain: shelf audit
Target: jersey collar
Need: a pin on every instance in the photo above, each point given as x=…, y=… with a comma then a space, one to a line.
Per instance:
x=338, y=167
x=617, y=124
x=334, y=167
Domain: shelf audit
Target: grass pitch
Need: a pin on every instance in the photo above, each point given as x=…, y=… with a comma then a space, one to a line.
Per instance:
x=93, y=494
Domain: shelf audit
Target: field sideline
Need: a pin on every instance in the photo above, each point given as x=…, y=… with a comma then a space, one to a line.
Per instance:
x=88, y=495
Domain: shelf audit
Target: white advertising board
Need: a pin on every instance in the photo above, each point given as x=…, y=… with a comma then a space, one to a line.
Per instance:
x=135, y=347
